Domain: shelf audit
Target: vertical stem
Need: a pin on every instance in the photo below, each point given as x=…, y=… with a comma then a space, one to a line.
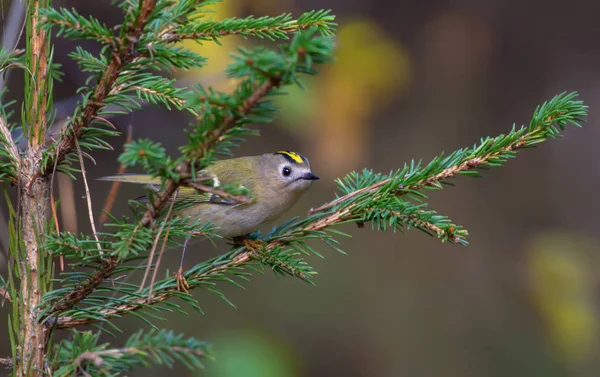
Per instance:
x=35, y=268
x=36, y=81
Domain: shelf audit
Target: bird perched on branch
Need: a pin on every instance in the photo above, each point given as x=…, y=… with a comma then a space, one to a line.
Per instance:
x=276, y=181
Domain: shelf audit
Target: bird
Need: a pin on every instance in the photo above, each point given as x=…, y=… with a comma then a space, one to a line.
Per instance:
x=275, y=181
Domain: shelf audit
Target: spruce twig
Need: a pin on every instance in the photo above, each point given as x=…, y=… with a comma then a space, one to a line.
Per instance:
x=122, y=54
x=357, y=206
x=9, y=143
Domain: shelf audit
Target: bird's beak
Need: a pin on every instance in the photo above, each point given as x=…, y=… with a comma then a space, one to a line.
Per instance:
x=310, y=176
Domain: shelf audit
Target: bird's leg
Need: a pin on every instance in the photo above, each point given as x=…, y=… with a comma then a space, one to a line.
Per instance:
x=182, y=284
x=248, y=243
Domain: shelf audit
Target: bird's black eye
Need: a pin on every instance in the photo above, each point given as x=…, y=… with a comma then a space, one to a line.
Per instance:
x=286, y=171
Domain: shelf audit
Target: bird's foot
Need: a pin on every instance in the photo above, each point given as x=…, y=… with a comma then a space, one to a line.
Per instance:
x=182, y=284
x=250, y=244
x=253, y=245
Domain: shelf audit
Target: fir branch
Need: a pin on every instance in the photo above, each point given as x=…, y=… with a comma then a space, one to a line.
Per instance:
x=264, y=27
x=8, y=145
x=281, y=248
x=76, y=295
x=215, y=270
x=447, y=232
x=75, y=26
x=561, y=110
x=83, y=354
x=7, y=139
x=153, y=95
x=123, y=52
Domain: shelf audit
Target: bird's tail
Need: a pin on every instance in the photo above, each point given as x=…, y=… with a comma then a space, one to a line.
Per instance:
x=132, y=178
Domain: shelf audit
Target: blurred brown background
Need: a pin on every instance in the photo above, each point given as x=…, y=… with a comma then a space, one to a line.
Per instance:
x=412, y=79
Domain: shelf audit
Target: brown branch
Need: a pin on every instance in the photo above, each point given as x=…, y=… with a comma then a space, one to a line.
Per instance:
x=81, y=292
x=122, y=54
x=434, y=180
x=241, y=259
x=7, y=362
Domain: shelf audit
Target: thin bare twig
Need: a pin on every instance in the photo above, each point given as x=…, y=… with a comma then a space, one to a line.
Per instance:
x=88, y=197
x=53, y=209
x=114, y=188
x=155, y=244
x=162, y=249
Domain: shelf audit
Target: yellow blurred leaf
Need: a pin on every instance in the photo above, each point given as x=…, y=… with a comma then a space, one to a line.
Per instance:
x=563, y=292
x=218, y=55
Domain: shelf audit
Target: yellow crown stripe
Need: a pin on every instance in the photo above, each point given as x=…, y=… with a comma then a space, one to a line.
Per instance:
x=293, y=155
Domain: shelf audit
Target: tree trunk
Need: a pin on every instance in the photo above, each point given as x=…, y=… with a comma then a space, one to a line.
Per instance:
x=35, y=265
x=34, y=195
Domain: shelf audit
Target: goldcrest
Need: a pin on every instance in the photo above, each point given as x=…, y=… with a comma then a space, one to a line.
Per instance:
x=276, y=181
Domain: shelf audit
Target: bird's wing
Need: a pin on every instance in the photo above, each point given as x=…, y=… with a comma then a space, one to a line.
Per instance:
x=185, y=195
x=220, y=173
